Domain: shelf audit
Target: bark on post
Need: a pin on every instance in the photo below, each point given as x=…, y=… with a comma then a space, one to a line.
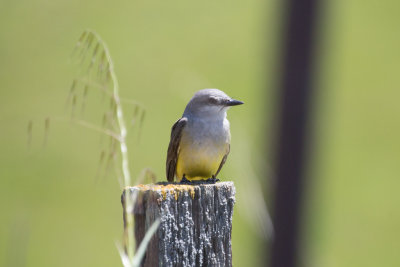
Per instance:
x=196, y=223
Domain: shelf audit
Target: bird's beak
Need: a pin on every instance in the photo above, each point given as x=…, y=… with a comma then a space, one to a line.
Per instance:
x=234, y=102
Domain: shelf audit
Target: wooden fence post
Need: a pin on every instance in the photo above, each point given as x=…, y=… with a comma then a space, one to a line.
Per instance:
x=196, y=223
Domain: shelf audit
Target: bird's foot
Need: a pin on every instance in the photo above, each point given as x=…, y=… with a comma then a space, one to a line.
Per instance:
x=212, y=180
x=184, y=180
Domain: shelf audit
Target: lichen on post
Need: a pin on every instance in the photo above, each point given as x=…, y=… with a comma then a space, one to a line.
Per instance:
x=196, y=223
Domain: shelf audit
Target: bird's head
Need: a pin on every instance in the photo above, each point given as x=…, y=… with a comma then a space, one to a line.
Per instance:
x=210, y=102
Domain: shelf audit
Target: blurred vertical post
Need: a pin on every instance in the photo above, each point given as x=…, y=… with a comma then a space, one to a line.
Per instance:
x=295, y=92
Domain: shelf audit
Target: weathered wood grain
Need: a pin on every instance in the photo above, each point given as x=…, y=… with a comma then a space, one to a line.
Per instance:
x=196, y=223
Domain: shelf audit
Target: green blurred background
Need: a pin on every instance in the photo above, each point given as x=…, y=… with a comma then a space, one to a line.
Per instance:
x=54, y=212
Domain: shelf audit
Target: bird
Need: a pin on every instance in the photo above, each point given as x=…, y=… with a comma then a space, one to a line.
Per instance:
x=200, y=140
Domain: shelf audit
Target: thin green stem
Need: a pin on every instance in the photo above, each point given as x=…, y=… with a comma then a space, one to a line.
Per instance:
x=124, y=149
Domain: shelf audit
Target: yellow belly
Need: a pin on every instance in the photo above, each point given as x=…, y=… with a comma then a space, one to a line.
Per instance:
x=198, y=163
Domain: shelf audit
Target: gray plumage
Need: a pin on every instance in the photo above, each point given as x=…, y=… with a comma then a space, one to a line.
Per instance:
x=200, y=140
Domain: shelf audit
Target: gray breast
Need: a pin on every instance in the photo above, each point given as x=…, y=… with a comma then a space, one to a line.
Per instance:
x=206, y=132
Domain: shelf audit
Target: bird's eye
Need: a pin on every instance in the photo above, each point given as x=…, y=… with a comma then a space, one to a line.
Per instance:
x=213, y=100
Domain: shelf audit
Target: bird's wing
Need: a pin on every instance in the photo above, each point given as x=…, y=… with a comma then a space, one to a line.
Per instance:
x=223, y=159
x=173, y=147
